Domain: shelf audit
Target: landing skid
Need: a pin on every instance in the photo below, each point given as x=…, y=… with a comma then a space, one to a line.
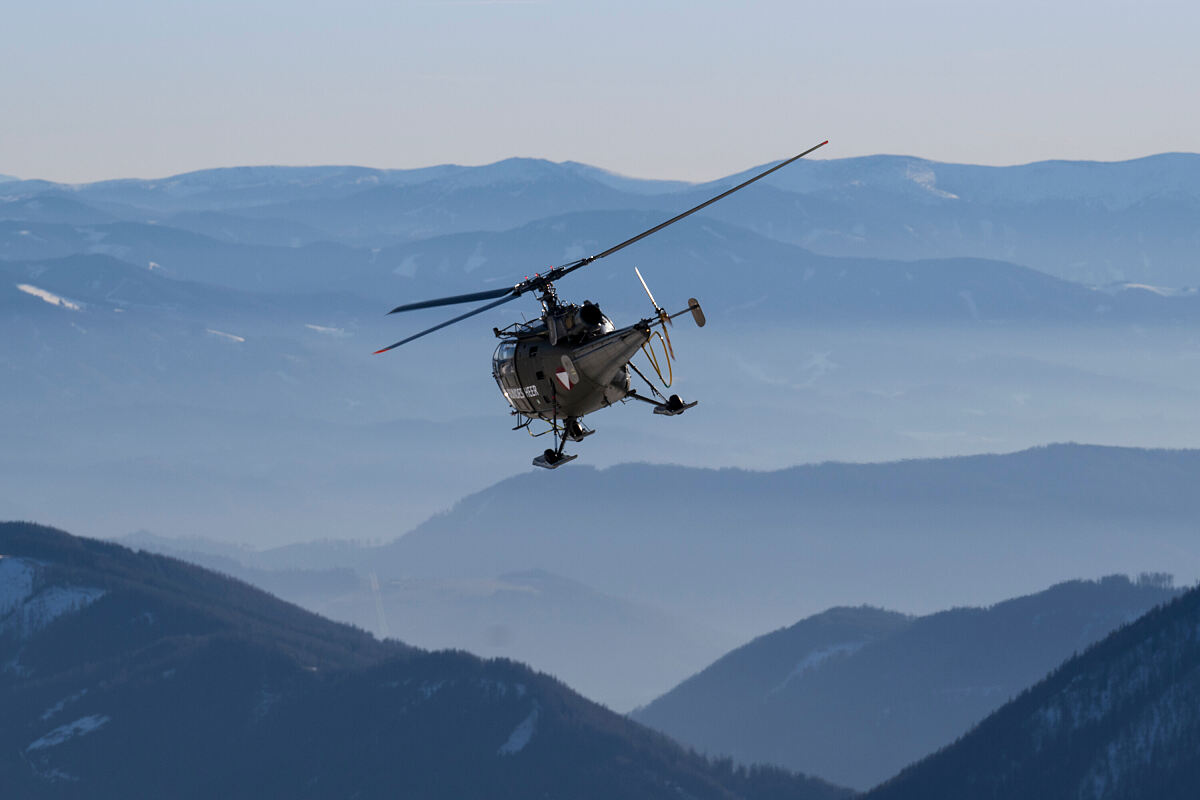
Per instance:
x=552, y=460
x=674, y=406
x=573, y=429
x=576, y=431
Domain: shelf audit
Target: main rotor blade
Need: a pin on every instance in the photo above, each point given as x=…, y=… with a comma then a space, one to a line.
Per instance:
x=474, y=297
x=571, y=267
x=459, y=318
x=540, y=282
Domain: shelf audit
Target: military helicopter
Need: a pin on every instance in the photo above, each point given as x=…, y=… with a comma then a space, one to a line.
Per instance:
x=573, y=360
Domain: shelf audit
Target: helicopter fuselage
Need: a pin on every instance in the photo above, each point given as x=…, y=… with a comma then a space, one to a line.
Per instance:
x=573, y=375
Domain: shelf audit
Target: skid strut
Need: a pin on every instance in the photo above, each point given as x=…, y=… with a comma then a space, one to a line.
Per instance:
x=571, y=429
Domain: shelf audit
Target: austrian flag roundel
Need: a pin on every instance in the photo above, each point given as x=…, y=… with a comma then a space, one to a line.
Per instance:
x=564, y=378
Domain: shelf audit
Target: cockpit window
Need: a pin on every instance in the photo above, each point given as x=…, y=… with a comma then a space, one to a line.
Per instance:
x=505, y=351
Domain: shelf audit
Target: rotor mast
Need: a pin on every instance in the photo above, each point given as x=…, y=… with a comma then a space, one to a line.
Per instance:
x=548, y=298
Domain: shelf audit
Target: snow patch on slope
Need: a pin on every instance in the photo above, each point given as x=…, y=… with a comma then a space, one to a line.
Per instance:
x=227, y=336
x=816, y=658
x=476, y=260
x=61, y=704
x=407, y=268
x=337, y=333
x=521, y=734
x=16, y=583
x=924, y=177
x=1161, y=291
x=47, y=606
x=428, y=690
x=49, y=297
x=64, y=733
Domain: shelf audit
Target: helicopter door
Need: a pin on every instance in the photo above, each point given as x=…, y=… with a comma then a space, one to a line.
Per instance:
x=504, y=370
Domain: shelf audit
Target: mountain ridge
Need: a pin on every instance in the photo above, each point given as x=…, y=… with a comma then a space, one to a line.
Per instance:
x=878, y=691
x=1092, y=222
x=214, y=688
x=1117, y=720
x=833, y=171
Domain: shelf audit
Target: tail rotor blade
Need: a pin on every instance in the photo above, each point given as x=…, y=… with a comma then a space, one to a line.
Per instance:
x=647, y=288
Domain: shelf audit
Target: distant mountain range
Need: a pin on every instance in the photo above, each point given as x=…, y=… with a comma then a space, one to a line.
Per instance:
x=1098, y=223
x=668, y=535
x=671, y=566
x=855, y=694
x=1118, y=720
x=126, y=674
x=734, y=269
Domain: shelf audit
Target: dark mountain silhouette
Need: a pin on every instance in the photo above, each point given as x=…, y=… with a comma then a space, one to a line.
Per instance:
x=854, y=694
x=128, y=674
x=1120, y=720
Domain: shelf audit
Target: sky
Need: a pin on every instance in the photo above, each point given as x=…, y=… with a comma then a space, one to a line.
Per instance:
x=658, y=88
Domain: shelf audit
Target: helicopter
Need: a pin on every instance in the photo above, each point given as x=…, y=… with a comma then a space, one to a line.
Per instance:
x=573, y=360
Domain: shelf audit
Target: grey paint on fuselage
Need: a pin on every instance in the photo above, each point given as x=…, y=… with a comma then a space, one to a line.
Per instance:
x=568, y=379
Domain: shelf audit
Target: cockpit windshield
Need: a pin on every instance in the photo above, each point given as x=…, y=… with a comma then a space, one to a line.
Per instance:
x=504, y=352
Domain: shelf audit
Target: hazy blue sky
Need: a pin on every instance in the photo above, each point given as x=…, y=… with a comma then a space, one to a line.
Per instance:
x=688, y=90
